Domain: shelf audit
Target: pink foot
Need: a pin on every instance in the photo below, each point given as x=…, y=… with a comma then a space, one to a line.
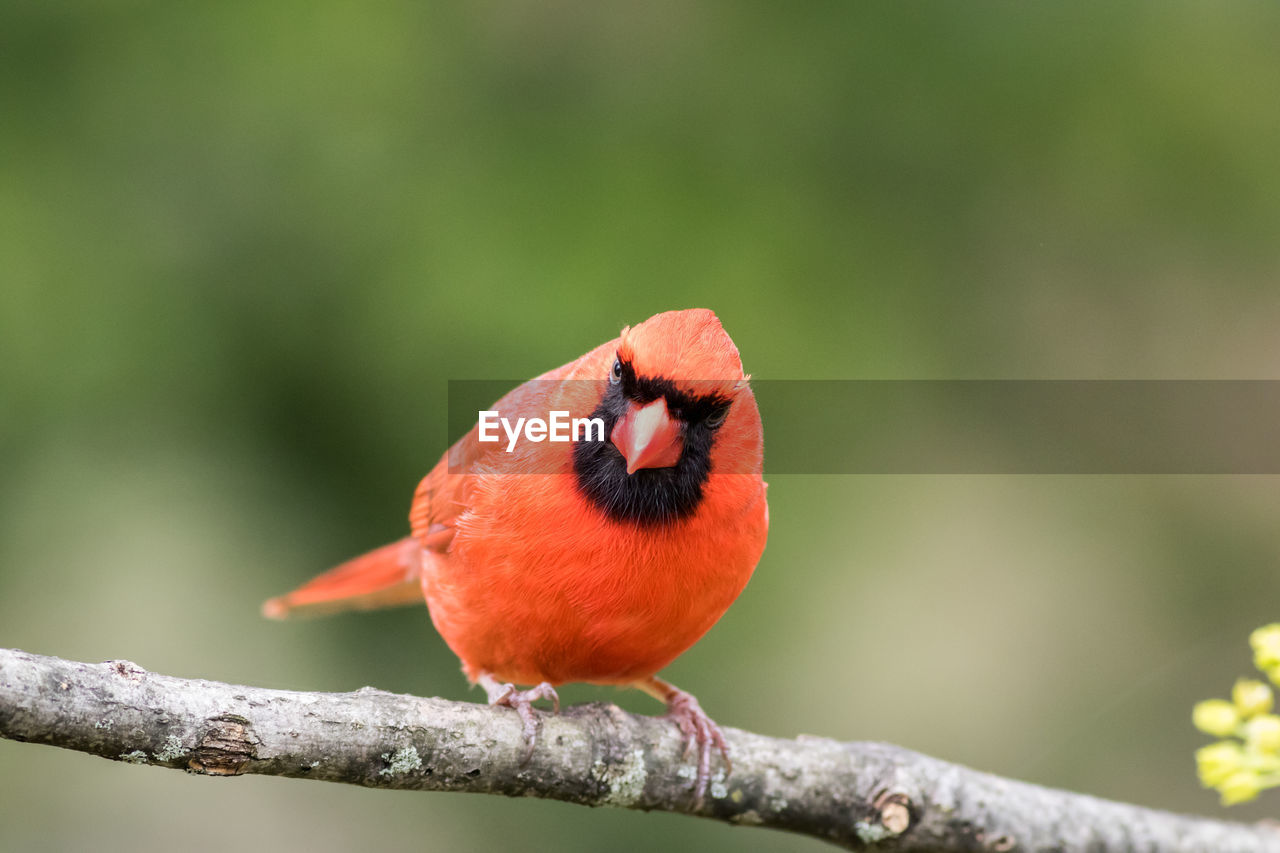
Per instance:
x=522, y=701
x=701, y=731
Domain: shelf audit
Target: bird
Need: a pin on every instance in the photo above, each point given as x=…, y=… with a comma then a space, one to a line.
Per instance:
x=599, y=559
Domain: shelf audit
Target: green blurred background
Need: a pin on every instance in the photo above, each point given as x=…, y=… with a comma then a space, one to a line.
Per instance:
x=244, y=246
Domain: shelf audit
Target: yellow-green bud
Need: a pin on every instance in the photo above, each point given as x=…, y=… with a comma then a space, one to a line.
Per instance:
x=1216, y=717
x=1240, y=787
x=1263, y=733
x=1266, y=647
x=1252, y=697
x=1218, y=761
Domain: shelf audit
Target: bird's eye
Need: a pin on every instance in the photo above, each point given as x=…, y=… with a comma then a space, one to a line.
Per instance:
x=615, y=376
x=716, y=418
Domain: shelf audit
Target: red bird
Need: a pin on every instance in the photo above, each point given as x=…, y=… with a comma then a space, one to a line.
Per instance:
x=595, y=561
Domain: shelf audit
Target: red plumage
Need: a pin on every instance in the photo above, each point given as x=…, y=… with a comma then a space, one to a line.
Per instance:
x=536, y=578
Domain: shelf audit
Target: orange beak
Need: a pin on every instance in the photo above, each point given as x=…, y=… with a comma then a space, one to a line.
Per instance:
x=648, y=437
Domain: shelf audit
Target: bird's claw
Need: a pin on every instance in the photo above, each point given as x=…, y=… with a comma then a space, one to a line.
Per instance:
x=522, y=702
x=701, y=731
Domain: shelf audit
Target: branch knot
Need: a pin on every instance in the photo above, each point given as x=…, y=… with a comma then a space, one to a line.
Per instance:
x=225, y=748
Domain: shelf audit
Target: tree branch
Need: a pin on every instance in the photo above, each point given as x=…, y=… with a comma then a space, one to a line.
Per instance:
x=856, y=795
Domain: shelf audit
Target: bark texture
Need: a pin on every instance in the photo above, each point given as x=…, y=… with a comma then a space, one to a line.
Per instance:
x=857, y=795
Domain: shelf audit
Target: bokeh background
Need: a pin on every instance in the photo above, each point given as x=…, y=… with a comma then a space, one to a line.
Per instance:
x=244, y=246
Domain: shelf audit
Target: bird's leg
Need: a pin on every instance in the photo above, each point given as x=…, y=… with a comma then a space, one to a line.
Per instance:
x=698, y=729
x=522, y=701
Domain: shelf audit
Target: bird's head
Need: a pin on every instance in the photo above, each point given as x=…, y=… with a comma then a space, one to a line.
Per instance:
x=677, y=408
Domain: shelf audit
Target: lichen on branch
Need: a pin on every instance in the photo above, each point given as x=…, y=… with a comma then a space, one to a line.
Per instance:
x=856, y=795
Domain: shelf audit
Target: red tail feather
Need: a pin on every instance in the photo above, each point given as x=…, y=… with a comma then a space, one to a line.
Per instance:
x=386, y=577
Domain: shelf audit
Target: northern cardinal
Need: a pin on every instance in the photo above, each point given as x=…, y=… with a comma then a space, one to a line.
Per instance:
x=599, y=560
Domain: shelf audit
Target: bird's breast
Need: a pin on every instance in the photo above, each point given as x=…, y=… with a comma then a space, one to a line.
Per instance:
x=538, y=585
